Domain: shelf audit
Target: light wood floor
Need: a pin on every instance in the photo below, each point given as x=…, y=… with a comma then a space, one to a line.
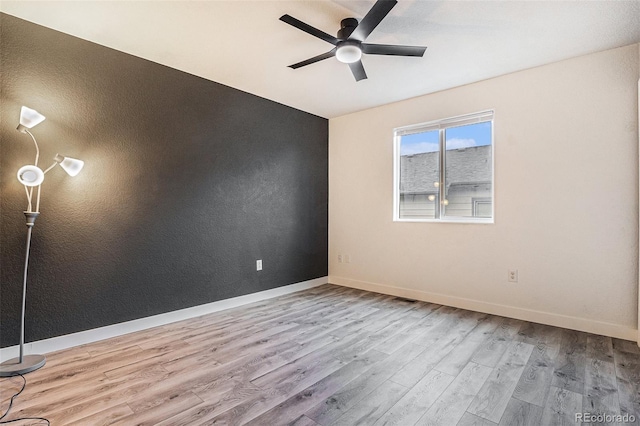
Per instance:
x=336, y=356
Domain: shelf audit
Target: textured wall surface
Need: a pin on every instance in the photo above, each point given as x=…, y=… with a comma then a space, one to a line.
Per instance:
x=186, y=183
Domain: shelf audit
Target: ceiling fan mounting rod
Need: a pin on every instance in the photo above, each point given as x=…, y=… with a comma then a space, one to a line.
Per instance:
x=347, y=26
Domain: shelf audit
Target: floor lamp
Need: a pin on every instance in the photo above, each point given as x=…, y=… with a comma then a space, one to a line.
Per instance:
x=31, y=176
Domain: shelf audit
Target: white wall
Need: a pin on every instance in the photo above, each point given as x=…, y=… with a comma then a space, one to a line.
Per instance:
x=566, y=199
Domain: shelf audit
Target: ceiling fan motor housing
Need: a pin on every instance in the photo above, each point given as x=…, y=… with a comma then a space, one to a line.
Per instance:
x=347, y=26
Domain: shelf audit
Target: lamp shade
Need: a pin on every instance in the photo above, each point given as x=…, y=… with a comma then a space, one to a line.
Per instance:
x=30, y=175
x=30, y=117
x=70, y=165
x=348, y=53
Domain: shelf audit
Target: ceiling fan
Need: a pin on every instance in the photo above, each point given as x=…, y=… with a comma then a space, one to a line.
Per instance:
x=350, y=45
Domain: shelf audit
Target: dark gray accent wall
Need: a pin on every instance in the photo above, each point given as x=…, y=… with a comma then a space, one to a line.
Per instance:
x=186, y=184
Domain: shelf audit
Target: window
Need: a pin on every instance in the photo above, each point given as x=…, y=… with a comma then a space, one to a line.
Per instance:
x=444, y=170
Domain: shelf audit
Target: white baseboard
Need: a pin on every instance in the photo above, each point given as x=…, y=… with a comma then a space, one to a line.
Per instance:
x=558, y=320
x=89, y=336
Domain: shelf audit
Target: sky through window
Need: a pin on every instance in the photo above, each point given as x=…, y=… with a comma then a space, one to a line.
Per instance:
x=456, y=138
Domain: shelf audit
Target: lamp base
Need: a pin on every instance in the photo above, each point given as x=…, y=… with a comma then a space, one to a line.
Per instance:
x=29, y=363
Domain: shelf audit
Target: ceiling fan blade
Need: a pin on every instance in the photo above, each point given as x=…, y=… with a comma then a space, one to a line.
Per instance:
x=315, y=59
x=358, y=70
x=309, y=29
x=387, y=49
x=372, y=19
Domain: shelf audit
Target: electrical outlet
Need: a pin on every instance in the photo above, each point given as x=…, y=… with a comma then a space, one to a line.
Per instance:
x=339, y=258
x=259, y=265
x=347, y=258
x=513, y=275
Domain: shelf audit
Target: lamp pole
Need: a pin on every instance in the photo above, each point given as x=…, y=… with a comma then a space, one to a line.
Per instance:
x=31, y=221
x=24, y=363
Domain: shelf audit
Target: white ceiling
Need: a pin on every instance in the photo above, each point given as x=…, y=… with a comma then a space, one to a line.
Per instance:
x=243, y=44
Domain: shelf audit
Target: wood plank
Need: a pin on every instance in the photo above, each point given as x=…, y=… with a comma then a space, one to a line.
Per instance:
x=454, y=401
x=439, y=342
x=460, y=356
x=627, y=367
x=299, y=366
x=337, y=404
x=415, y=403
x=571, y=362
x=536, y=334
x=352, y=351
x=227, y=385
x=164, y=352
x=520, y=413
x=230, y=383
x=600, y=390
x=100, y=397
x=599, y=347
x=390, y=316
x=297, y=404
x=67, y=357
x=45, y=394
x=412, y=330
x=492, y=399
x=626, y=346
x=248, y=401
x=105, y=417
x=209, y=409
x=303, y=421
x=372, y=406
x=95, y=364
x=229, y=352
x=226, y=344
x=561, y=407
x=490, y=353
x=438, y=324
x=119, y=343
x=536, y=378
x=322, y=344
x=470, y=420
x=207, y=380
x=328, y=329
x=222, y=376
x=188, y=357
x=183, y=401
x=284, y=389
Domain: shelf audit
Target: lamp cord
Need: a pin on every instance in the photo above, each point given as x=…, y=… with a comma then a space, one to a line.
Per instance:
x=4, y=422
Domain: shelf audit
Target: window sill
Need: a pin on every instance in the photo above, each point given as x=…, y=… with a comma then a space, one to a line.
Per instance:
x=487, y=221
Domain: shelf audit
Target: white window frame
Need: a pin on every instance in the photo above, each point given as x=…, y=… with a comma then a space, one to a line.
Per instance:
x=441, y=126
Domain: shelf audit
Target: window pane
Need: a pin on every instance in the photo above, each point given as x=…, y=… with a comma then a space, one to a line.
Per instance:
x=419, y=175
x=468, y=171
x=482, y=208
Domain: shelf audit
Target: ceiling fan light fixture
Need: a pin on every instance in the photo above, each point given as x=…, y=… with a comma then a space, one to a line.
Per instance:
x=348, y=53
